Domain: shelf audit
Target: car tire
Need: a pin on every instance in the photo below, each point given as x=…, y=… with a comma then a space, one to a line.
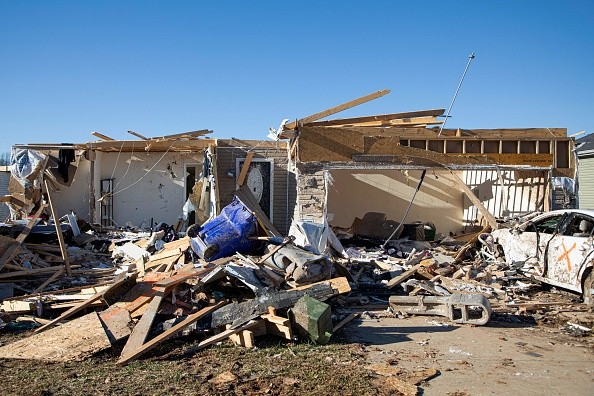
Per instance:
x=587, y=286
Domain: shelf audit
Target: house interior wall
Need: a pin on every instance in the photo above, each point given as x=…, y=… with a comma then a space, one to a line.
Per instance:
x=147, y=185
x=76, y=197
x=352, y=193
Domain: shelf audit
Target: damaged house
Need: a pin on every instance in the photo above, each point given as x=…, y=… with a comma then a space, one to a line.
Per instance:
x=415, y=203
x=362, y=169
x=141, y=183
x=354, y=172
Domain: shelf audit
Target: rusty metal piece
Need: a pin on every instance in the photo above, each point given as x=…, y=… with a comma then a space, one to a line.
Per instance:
x=459, y=308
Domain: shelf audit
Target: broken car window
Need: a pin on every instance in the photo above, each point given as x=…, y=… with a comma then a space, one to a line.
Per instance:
x=580, y=226
x=547, y=226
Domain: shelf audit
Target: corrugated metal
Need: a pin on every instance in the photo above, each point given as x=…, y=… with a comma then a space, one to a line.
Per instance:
x=4, y=179
x=586, y=181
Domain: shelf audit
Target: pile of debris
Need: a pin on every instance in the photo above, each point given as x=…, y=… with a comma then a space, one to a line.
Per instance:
x=236, y=277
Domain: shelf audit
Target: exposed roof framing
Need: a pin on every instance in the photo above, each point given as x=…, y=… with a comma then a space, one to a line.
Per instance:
x=149, y=145
x=410, y=117
x=335, y=109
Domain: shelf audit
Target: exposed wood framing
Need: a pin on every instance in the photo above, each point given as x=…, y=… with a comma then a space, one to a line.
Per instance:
x=13, y=249
x=420, y=146
x=63, y=249
x=102, y=136
x=138, y=135
x=190, y=319
x=184, y=135
x=378, y=118
x=336, y=109
x=150, y=145
x=489, y=218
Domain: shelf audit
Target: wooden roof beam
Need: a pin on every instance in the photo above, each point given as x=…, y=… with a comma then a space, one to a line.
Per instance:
x=183, y=135
x=101, y=136
x=336, y=109
x=138, y=135
x=379, y=117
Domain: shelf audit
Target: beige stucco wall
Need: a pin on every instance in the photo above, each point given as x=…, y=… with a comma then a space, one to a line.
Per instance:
x=353, y=193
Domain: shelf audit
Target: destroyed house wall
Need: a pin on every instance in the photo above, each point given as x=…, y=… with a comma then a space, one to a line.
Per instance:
x=279, y=197
x=353, y=193
x=146, y=185
x=508, y=193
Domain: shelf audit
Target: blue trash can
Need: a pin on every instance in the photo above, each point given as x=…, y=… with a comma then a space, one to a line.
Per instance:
x=227, y=233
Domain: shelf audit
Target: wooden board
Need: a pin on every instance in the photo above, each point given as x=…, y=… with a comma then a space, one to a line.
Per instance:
x=402, y=277
x=80, y=306
x=13, y=249
x=133, y=354
x=220, y=337
x=76, y=340
x=143, y=326
x=379, y=118
x=116, y=322
x=336, y=109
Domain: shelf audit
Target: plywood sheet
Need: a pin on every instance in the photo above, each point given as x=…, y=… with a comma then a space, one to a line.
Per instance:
x=76, y=340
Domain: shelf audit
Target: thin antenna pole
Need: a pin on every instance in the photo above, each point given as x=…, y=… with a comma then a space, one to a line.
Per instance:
x=470, y=58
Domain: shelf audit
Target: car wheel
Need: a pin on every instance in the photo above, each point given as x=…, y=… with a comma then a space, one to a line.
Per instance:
x=588, y=288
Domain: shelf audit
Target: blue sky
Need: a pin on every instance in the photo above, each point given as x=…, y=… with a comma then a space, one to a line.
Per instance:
x=238, y=67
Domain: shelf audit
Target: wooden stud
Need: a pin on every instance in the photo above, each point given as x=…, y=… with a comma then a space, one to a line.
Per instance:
x=58, y=231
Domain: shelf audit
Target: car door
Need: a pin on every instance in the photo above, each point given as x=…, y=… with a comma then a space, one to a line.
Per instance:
x=568, y=251
x=526, y=246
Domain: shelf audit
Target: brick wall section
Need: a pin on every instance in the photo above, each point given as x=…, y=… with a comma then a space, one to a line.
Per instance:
x=311, y=192
x=227, y=156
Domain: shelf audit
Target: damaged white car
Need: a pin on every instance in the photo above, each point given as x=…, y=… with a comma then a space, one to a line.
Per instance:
x=556, y=248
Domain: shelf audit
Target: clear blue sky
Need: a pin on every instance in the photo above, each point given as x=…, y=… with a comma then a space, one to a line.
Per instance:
x=238, y=67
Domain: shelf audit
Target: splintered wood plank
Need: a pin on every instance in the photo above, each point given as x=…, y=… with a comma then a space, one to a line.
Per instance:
x=244, y=169
x=101, y=136
x=51, y=279
x=403, y=276
x=76, y=340
x=379, y=118
x=82, y=305
x=12, y=250
x=133, y=354
x=337, y=109
x=143, y=326
x=220, y=337
x=116, y=322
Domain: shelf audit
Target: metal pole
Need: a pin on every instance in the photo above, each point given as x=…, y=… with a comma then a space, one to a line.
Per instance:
x=470, y=58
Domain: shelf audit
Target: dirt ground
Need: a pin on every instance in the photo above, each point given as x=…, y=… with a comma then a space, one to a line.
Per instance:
x=509, y=355
x=506, y=356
